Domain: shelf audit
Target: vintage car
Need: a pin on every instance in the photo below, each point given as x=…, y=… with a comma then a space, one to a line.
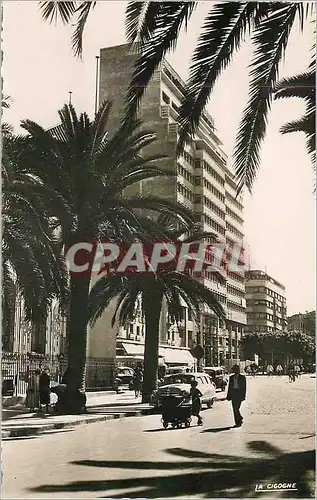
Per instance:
x=218, y=376
x=179, y=384
x=124, y=375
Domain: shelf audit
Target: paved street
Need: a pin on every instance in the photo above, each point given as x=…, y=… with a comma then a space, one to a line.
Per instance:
x=136, y=458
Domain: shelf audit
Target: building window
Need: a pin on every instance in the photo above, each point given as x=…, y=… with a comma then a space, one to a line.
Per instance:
x=165, y=98
x=234, y=216
x=212, y=206
x=234, y=201
x=213, y=173
x=234, y=231
x=208, y=220
x=190, y=339
x=175, y=107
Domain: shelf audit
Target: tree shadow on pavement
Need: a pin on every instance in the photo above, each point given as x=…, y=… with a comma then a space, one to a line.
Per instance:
x=48, y=432
x=210, y=475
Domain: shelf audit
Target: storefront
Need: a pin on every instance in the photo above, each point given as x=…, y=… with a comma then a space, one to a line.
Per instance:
x=132, y=353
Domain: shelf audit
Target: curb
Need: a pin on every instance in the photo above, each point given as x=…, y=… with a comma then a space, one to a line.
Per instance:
x=34, y=431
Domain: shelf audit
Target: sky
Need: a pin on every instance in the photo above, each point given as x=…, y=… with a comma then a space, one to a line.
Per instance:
x=39, y=70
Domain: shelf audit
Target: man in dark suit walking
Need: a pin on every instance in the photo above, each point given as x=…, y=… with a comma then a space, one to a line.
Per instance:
x=236, y=393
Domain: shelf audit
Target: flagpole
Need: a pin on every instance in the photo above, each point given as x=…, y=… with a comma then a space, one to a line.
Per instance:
x=97, y=84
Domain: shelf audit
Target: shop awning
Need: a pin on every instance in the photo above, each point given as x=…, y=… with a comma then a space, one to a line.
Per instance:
x=169, y=354
x=176, y=356
x=133, y=349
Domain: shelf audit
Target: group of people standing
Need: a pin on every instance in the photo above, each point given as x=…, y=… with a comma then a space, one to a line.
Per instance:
x=38, y=391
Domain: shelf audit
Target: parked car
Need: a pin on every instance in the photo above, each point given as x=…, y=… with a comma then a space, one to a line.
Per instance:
x=124, y=375
x=218, y=376
x=180, y=384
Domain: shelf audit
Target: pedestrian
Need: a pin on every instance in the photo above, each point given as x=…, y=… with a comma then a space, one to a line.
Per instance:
x=296, y=371
x=33, y=391
x=254, y=369
x=162, y=369
x=195, y=395
x=137, y=380
x=236, y=393
x=44, y=388
x=291, y=373
x=279, y=370
x=269, y=370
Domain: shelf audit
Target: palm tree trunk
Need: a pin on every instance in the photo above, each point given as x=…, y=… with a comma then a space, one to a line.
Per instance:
x=38, y=343
x=8, y=320
x=77, y=340
x=152, y=304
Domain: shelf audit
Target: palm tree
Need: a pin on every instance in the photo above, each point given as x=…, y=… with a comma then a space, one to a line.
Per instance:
x=87, y=172
x=155, y=26
x=165, y=284
x=30, y=263
x=304, y=87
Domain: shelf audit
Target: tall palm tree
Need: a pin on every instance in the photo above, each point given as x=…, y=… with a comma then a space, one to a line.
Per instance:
x=87, y=171
x=166, y=284
x=30, y=262
x=156, y=27
x=304, y=87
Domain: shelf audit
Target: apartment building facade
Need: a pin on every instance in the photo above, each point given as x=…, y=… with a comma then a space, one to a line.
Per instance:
x=204, y=184
x=266, y=303
x=303, y=322
x=48, y=338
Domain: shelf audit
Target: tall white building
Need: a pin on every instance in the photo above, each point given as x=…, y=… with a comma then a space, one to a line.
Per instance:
x=204, y=183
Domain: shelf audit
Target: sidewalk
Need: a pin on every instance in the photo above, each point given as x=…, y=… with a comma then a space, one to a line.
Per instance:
x=18, y=421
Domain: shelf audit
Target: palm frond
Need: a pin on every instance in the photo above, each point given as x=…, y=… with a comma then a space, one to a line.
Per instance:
x=139, y=20
x=165, y=206
x=224, y=29
x=102, y=293
x=304, y=124
x=6, y=129
x=6, y=102
x=83, y=11
x=302, y=86
x=53, y=10
x=270, y=39
x=169, y=19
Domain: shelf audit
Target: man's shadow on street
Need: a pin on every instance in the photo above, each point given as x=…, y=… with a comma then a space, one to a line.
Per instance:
x=218, y=429
x=208, y=475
